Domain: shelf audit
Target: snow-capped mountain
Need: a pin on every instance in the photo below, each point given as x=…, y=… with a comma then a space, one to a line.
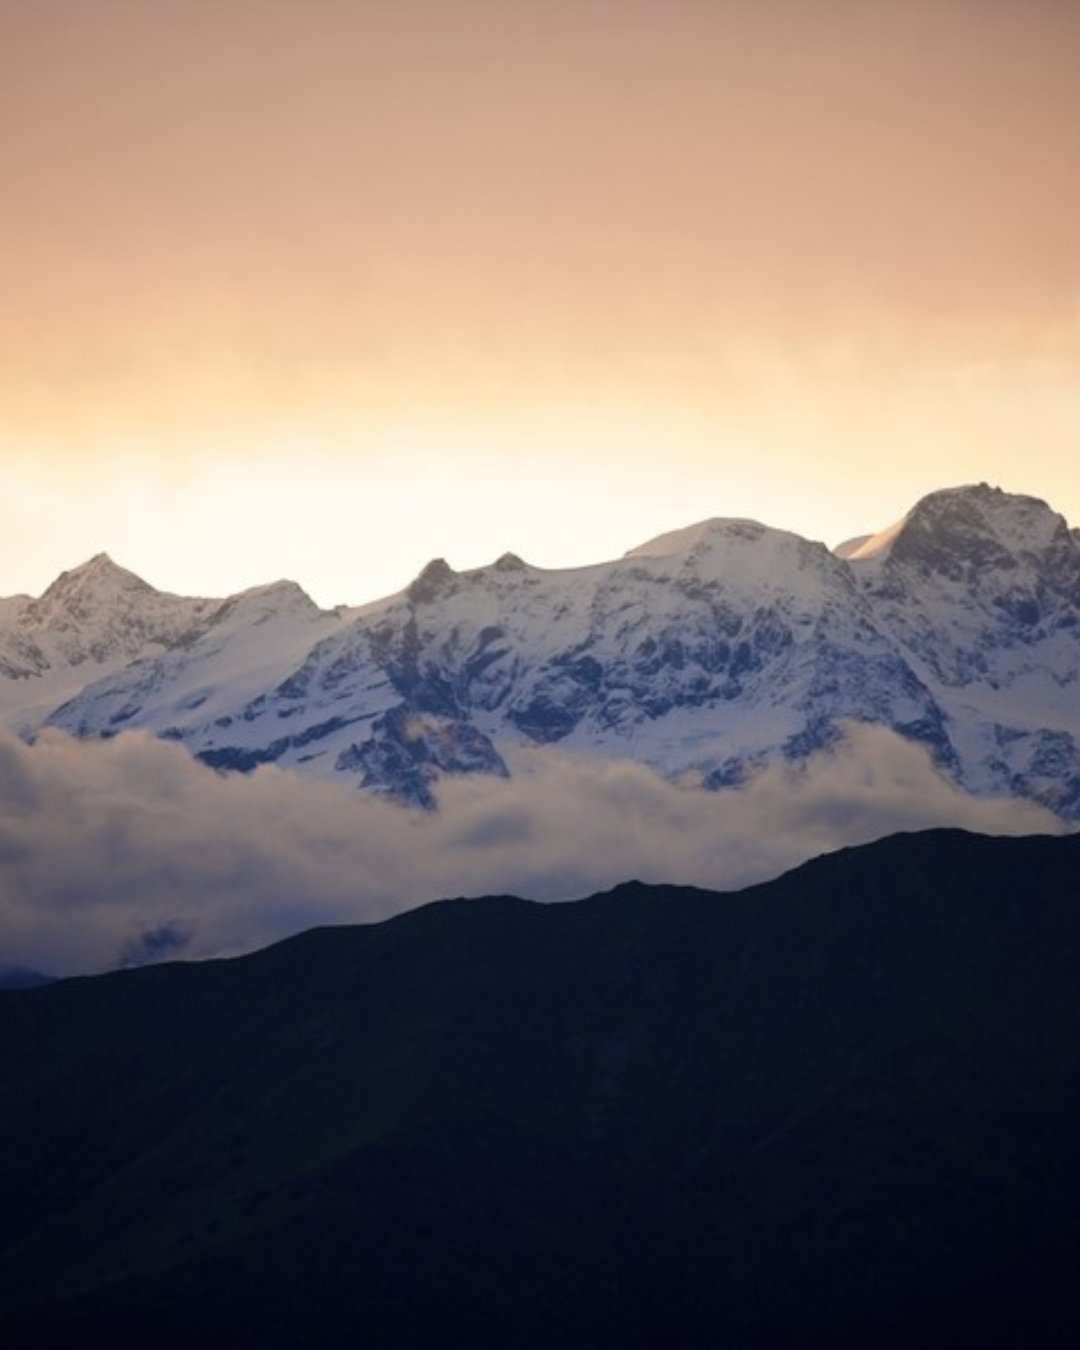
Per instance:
x=702, y=653
x=100, y=620
x=91, y=621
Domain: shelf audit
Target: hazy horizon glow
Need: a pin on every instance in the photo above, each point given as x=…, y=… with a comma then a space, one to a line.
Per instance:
x=320, y=289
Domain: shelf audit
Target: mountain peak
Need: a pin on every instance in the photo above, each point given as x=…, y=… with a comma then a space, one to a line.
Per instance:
x=955, y=529
x=275, y=599
x=99, y=575
x=106, y=613
x=431, y=582
x=284, y=594
x=509, y=562
x=1009, y=516
x=701, y=535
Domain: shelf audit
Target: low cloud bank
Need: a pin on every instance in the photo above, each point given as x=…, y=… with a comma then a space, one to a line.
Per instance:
x=128, y=850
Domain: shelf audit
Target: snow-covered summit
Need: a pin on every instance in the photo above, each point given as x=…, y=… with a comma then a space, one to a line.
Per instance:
x=703, y=535
x=91, y=621
x=272, y=600
x=743, y=557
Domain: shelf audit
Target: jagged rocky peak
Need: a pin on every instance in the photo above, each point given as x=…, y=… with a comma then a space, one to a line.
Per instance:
x=103, y=612
x=100, y=576
x=509, y=562
x=964, y=532
x=94, y=593
x=432, y=583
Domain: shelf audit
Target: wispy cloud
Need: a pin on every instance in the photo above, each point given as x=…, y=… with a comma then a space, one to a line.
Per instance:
x=127, y=850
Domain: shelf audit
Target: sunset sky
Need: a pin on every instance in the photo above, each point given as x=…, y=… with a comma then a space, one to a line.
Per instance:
x=325, y=288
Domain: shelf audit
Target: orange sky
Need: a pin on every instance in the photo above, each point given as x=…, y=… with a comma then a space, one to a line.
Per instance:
x=322, y=288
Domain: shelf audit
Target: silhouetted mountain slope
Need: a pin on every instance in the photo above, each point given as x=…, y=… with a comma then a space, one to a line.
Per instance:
x=20, y=977
x=840, y=1107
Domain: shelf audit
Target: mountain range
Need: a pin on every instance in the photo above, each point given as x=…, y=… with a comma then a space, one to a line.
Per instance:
x=839, y=1108
x=704, y=654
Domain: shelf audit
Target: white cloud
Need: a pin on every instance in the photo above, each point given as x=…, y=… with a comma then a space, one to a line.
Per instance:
x=128, y=849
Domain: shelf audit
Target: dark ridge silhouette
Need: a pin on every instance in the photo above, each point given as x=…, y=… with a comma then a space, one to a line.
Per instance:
x=839, y=1108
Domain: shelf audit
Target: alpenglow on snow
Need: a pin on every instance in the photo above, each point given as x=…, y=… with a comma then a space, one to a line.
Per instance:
x=705, y=652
